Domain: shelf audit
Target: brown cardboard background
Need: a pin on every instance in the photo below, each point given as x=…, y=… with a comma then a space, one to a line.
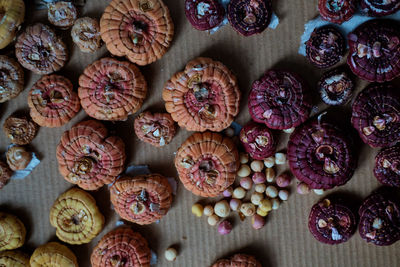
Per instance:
x=284, y=241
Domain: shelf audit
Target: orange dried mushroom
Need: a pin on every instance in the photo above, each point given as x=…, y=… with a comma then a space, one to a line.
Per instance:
x=53, y=254
x=5, y=174
x=14, y=258
x=238, y=260
x=111, y=89
x=88, y=157
x=207, y=163
x=38, y=49
x=143, y=199
x=205, y=96
x=156, y=129
x=121, y=247
x=11, y=78
x=141, y=30
x=12, y=232
x=18, y=158
x=52, y=101
x=20, y=129
x=76, y=217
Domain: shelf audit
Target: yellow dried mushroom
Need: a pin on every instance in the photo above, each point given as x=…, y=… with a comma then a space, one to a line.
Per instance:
x=12, y=232
x=14, y=258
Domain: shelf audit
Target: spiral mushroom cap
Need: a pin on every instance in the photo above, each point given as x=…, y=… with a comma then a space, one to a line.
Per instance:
x=337, y=11
x=205, y=96
x=5, y=174
x=321, y=155
x=238, y=260
x=53, y=254
x=76, y=217
x=14, y=258
x=12, y=232
x=207, y=163
x=257, y=140
x=140, y=30
x=39, y=50
x=378, y=8
x=111, y=90
x=387, y=166
x=52, y=101
x=11, y=78
x=280, y=99
x=20, y=130
x=18, y=157
x=88, y=157
x=86, y=34
x=376, y=115
x=142, y=199
x=121, y=245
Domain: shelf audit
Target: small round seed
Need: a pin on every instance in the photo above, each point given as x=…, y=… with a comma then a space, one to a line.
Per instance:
x=248, y=209
x=266, y=205
x=213, y=220
x=283, y=180
x=208, y=210
x=260, y=188
x=262, y=212
x=239, y=193
x=269, y=162
x=244, y=171
x=197, y=209
x=257, y=165
x=224, y=227
x=275, y=203
x=271, y=191
x=246, y=183
x=270, y=175
x=259, y=178
x=244, y=158
x=235, y=204
x=256, y=198
x=283, y=195
x=170, y=254
x=228, y=192
x=303, y=188
x=280, y=158
x=222, y=208
x=257, y=221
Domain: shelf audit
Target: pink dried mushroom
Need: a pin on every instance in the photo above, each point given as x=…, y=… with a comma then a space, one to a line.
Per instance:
x=337, y=11
x=336, y=86
x=325, y=47
x=249, y=17
x=378, y=8
x=321, y=155
x=156, y=129
x=40, y=50
x=331, y=222
x=380, y=219
x=257, y=140
x=204, y=14
x=374, y=50
x=280, y=99
x=387, y=166
x=376, y=115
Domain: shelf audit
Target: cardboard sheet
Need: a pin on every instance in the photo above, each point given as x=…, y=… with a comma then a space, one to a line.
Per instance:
x=284, y=241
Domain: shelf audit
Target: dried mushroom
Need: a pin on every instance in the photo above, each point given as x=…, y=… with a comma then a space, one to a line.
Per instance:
x=12, y=13
x=378, y=8
x=121, y=247
x=5, y=174
x=53, y=254
x=142, y=199
x=52, y=101
x=88, y=157
x=20, y=129
x=18, y=157
x=204, y=14
x=12, y=232
x=205, y=96
x=11, y=79
x=257, y=140
x=62, y=14
x=238, y=260
x=86, y=34
x=387, y=166
x=14, y=258
x=337, y=11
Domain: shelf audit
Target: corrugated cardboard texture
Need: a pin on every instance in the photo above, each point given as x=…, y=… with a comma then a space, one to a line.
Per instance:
x=284, y=241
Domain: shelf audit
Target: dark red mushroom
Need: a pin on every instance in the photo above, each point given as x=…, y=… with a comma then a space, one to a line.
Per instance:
x=325, y=47
x=331, y=222
x=378, y=8
x=380, y=219
x=257, y=140
x=374, y=50
x=204, y=14
x=376, y=115
x=280, y=99
x=337, y=11
x=249, y=17
x=321, y=155
x=387, y=166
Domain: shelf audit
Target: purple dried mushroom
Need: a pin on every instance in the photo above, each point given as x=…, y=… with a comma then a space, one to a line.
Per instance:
x=331, y=222
x=204, y=14
x=321, y=155
x=337, y=11
x=380, y=219
x=378, y=8
x=280, y=99
x=336, y=86
x=376, y=115
x=374, y=50
x=325, y=47
x=387, y=166
x=257, y=140
x=249, y=17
